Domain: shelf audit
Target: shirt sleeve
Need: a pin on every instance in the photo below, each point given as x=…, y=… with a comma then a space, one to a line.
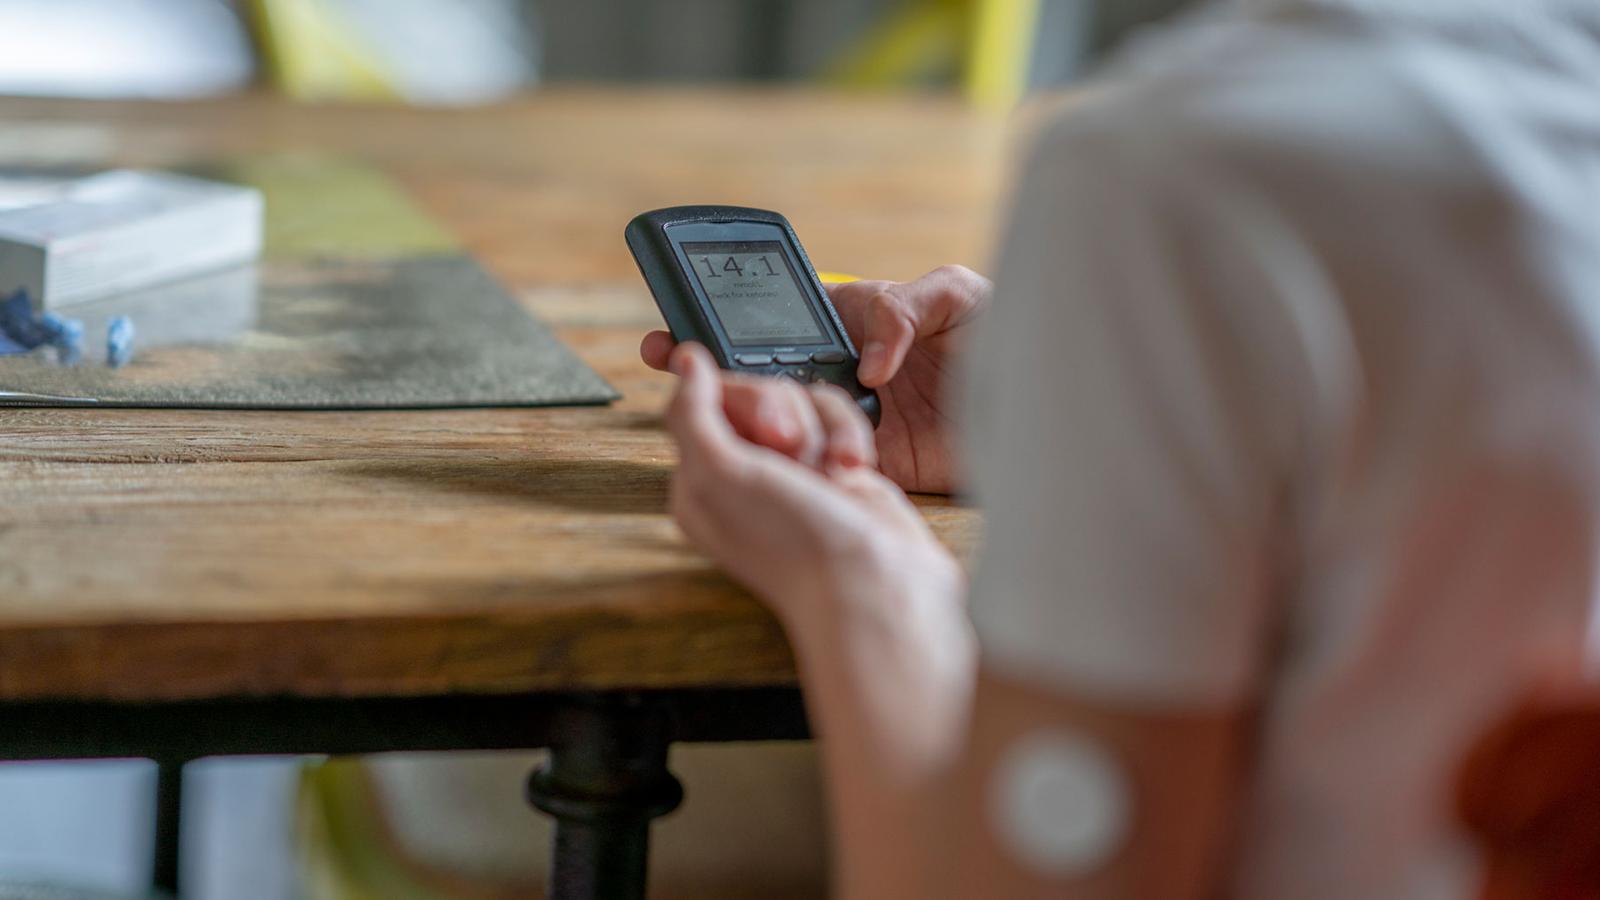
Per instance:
x=1132, y=417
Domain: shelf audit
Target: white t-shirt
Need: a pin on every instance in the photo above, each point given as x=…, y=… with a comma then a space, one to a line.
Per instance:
x=1291, y=397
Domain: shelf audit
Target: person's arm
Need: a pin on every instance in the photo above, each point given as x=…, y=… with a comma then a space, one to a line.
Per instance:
x=1133, y=425
x=871, y=601
x=1136, y=426
x=888, y=678
x=1180, y=772
x=874, y=607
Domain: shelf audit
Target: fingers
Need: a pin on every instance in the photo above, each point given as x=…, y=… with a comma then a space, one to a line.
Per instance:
x=884, y=318
x=754, y=415
x=819, y=427
x=695, y=416
x=842, y=292
x=850, y=301
x=887, y=319
x=966, y=288
x=890, y=327
x=655, y=349
x=877, y=320
x=849, y=435
x=760, y=415
x=777, y=414
x=770, y=417
x=786, y=398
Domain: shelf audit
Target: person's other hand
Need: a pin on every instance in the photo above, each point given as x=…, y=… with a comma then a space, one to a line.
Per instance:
x=802, y=532
x=908, y=334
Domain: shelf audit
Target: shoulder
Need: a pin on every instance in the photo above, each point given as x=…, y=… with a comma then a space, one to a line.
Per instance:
x=1250, y=104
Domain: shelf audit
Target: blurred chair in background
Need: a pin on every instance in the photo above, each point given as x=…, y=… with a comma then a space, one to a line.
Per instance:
x=313, y=55
x=996, y=50
x=989, y=42
x=476, y=51
x=417, y=51
x=992, y=50
x=455, y=827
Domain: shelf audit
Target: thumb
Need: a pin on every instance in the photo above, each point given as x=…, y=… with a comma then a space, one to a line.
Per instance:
x=899, y=315
x=889, y=328
x=695, y=417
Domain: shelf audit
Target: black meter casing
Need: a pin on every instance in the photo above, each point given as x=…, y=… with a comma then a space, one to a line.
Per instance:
x=721, y=276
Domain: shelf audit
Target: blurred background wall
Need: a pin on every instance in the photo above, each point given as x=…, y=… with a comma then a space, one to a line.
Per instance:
x=466, y=51
x=786, y=40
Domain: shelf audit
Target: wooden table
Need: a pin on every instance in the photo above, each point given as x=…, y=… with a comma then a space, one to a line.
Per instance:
x=176, y=584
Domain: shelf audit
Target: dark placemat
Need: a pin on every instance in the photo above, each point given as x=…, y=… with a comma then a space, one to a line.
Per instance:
x=324, y=334
x=360, y=302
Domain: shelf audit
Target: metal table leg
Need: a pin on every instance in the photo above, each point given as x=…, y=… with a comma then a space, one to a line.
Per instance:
x=169, y=810
x=606, y=779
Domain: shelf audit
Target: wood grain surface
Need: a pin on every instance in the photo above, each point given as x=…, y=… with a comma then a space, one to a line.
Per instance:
x=157, y=554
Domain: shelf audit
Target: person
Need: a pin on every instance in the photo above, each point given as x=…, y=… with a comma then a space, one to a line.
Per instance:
x=1283, y=416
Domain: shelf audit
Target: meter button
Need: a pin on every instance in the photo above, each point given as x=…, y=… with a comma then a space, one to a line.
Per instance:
x=754, y=359
x=791, y=359
x=828, y=356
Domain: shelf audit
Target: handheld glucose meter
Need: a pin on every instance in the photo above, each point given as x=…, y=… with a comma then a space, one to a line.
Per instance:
x=738, y=281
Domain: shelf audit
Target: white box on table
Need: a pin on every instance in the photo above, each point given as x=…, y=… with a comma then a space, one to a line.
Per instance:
x=123, y=230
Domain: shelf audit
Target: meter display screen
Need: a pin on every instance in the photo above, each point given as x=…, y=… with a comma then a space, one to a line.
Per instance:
x=754, y=292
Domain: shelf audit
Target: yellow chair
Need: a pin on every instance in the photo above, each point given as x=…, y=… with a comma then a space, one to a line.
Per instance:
x=987, y=43
x=313, y=54
x=346, y=852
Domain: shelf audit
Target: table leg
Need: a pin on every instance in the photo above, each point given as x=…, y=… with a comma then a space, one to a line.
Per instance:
x=605, y=780
x=169, y=810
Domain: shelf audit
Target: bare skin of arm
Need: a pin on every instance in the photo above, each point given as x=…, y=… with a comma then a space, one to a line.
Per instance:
x=1182, y=769
x=911, y=733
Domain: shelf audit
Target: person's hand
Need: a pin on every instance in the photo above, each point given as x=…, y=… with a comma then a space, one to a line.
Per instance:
x=908, y=334
x=804, y=530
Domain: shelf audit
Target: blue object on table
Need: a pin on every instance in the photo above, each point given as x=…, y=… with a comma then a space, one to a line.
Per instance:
x=9, y=345
x=22, y=332
x=19, y=329
x=66, y=335
x=119, y=342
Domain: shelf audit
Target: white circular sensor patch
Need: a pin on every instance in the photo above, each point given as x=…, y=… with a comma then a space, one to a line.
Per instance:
x=1060, y=804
